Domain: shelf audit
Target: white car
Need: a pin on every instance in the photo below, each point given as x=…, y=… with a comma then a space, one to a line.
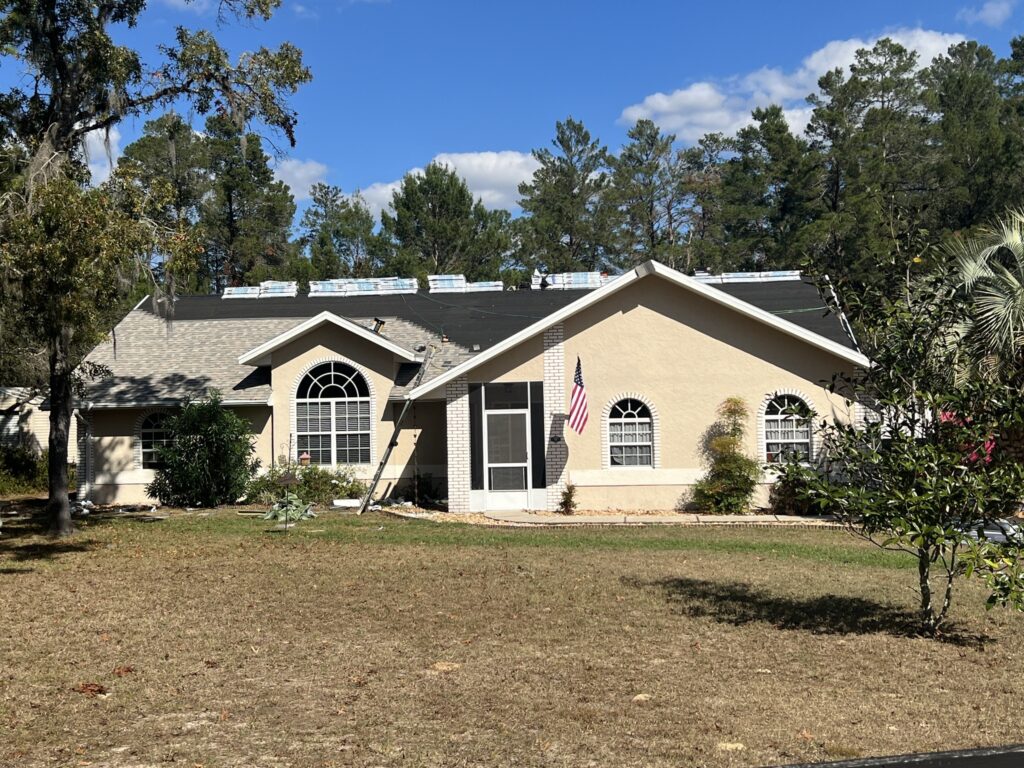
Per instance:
x=1000, y=531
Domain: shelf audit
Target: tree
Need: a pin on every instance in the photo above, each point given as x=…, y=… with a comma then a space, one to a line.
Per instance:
x=247, y=216
x=732, y=475
x=69, y=260
x=878, y=167
x=78, y=82
x=435, y=227
x=209, y=459
x=961, y=91
x=339, y=232
x=701, y=168
x=769, y=194
x=170, y=155
x=990, y=269
x=647, y=183
x=927, y=468
x=571, y=218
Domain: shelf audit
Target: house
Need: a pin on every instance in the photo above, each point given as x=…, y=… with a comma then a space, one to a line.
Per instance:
x=483, y=378
x=25, y=423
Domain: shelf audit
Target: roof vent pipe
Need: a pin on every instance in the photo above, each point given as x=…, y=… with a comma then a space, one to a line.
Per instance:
x=377, y=324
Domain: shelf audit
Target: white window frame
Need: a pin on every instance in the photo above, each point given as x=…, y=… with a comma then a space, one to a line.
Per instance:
x=364, y=408
x=615, y=441
x=767, y=419
x=148, y=455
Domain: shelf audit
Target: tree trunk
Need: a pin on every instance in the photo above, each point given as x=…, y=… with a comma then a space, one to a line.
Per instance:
x=61, y=394
x=924, y=575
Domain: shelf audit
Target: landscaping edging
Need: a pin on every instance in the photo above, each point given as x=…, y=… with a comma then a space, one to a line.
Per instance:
x=541, y=520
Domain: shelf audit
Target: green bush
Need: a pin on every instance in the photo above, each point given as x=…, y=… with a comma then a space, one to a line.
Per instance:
x=732, y=476
x=315, y=484
x=209, y=459
x=567, y=505
x=24, y=470
x=790, y=493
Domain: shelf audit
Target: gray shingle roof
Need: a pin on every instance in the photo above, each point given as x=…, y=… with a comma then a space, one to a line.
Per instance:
x=153, y=361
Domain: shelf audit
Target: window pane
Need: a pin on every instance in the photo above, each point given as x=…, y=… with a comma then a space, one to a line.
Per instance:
x=502, y=396
x=506, y=438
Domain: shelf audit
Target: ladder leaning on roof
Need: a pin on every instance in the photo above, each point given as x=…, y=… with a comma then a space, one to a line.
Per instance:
x=394, y=435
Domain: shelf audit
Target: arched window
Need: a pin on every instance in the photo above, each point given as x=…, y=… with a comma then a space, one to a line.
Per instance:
x=332, y=415
x=787, y=429
x=630, y=434
x=153, y=436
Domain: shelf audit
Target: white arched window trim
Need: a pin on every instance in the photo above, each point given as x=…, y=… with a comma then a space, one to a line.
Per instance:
x=137, y=434
x=293, y=442
x=655, y=430
x=762, y=442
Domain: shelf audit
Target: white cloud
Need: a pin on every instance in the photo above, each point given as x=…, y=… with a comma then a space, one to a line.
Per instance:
x=991, y=14
x=196, y=6
x=101, y=153
x=494, y=177
x=725, y=106
x=304, y=11
x=300, y=175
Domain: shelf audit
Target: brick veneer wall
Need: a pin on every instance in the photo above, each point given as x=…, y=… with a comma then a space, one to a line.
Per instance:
x=554, y=414
x=457, y=410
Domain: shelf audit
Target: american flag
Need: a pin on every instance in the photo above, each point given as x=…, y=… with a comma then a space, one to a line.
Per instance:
x=578, y=404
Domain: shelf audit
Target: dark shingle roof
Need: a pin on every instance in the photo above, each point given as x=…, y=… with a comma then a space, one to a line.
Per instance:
x=486, y=318
x=153, y=361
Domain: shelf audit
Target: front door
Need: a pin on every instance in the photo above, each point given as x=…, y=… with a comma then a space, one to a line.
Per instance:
x=507, y=458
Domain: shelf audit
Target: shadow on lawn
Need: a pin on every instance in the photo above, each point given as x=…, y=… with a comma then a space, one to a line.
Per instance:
x=738, y=604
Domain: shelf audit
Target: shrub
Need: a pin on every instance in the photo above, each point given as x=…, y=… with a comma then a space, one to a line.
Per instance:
x=209, y=459
x=790, y=493
x=568, y=503
x=316, y=485
x=24, y=470
x=732, y=475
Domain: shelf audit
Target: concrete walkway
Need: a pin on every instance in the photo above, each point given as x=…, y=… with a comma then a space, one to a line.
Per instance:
x=546, y=518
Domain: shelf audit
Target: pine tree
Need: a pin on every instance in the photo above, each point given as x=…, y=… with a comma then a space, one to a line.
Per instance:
x=572, y=218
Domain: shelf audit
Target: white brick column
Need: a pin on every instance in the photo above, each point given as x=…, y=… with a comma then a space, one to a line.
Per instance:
x=554, y=415
x=457, y=408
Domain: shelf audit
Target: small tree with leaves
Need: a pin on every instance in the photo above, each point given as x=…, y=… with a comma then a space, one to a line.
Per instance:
x=732, y=475
x=926, y=470
x=209, y=459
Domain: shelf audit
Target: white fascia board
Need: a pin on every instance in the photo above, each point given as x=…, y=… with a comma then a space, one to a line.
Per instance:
x=261, y=354
x=648, y=268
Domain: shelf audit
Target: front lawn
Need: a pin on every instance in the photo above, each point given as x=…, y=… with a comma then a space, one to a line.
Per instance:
x=209, y=641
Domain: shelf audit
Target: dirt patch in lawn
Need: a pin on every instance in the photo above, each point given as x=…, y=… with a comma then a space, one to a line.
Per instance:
x=377, y=641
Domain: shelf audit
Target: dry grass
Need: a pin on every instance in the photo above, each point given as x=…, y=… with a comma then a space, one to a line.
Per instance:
x=378, y=641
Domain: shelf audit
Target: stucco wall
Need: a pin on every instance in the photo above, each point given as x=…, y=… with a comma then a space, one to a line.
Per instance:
x=117, y=477
x=524, y=362
x=683, y=355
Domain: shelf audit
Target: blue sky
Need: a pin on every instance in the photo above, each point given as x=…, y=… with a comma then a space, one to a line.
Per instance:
x=478, y=84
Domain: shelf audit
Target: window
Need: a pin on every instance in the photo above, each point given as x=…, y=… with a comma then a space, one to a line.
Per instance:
x=332, y=415
x=630, y=435
x=153, y=436
x=787, y=429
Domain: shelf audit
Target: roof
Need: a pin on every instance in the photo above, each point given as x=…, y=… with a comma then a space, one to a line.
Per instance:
x=844, y=351
x=208, y=338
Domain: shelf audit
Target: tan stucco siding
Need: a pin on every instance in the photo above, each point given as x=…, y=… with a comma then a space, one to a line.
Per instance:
x=118, y=477
x=524, y=362
x=684, y=355
x=290, y=364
